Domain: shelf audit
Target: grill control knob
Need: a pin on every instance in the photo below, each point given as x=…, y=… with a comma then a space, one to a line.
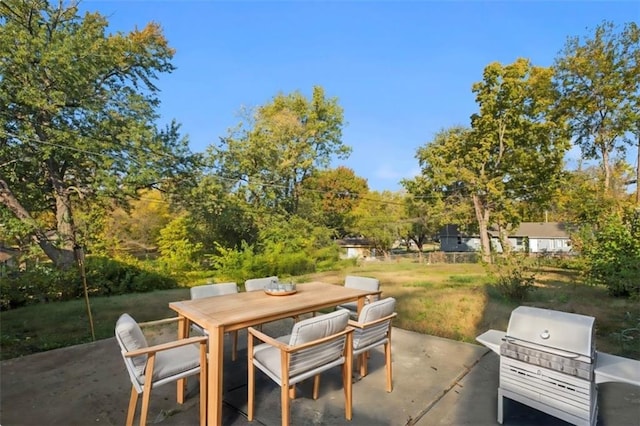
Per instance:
x=545, y=334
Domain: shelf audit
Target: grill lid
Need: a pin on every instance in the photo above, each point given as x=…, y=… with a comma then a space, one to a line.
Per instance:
x=553, y=329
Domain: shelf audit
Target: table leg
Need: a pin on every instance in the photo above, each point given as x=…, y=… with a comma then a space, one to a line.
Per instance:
x=361, y=301
x=216, y=365
x=181, y=384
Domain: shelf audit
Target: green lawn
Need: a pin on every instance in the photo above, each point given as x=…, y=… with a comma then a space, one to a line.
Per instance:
x=452, y=301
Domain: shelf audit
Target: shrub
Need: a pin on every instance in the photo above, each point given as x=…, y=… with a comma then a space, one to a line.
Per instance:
x=105, y=277
x=611, y=254
x=514, y=277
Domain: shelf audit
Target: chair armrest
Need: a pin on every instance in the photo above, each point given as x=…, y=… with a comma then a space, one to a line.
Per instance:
x=361, y=325
x=266, y=339
x=159, y=322
x=167, y=346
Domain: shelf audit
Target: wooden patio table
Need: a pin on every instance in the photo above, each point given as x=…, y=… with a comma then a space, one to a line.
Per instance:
x=236, y=311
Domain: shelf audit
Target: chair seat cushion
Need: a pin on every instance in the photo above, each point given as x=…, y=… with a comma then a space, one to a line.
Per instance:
x=175, y=361
x=269, y=356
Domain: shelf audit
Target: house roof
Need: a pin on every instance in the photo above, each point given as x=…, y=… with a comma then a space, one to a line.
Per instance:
x=541, y=230
x=354, y=242
x=525, y=229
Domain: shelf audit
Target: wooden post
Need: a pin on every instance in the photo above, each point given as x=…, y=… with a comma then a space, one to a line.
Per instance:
x=79, y=252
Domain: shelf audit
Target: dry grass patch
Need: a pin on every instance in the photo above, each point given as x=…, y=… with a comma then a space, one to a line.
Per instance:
x=457, y=301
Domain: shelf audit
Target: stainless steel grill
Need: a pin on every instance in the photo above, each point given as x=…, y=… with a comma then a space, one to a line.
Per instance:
x=547, y=361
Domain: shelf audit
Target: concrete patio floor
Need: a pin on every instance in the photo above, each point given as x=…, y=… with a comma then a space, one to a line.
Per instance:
x=436, y=382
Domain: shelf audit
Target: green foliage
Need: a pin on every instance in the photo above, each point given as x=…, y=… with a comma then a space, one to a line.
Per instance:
x=290, y=246
x=612, y=254
x=380, y=217
x=599, y=83
x=178, y=253
x=512, y=154
x=79, y=111
x=514, y=277
x=39, y=284
x=330, y=196
x=278, y=146
x=105, y=277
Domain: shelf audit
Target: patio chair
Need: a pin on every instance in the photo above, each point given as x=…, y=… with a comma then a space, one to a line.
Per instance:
x=256, y=284
x=361, y=283
x=373, y=329
x=314, y=345
x=212, y=290
x=153, y=366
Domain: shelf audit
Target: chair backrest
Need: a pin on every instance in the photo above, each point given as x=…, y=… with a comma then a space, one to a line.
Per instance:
x=255, y=284
x=362, y=283
x=372, y=312
x=210, y=290
x=130, y=337
x=316, y=328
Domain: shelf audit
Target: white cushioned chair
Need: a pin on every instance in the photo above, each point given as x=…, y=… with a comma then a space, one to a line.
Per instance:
x=314, y=345
x=152, y=366
x=361, y=283
x=373, y=329
x=213, y=290
x=256, y=284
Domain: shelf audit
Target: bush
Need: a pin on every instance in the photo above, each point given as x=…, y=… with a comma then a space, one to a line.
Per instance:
x=514, y=277
x=105, y=277
x=39, y=284
x=110, y=277
x=611, y=254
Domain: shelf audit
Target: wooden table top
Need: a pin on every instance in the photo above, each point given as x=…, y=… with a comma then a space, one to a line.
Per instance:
x=244, y=309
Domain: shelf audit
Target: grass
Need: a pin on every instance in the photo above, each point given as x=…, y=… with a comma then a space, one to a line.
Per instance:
x=454, y=301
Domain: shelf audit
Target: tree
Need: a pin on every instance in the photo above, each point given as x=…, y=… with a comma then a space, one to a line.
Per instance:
x=223, y=217
x=581, y=201
x=599, y=81
x=178, y=251
x=77, y=121
x=428, y=209
x=279, y=145
x=137, y=228
x=513, y=152
x=379, y=219
x=330, y=196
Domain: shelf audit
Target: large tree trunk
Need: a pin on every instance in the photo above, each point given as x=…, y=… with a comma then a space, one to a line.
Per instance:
x=638, y=169
x=62, y=256
x=482, y=215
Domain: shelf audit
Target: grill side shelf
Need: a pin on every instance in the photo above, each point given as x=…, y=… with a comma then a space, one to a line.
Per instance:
x=492, y=339
x=613, y=368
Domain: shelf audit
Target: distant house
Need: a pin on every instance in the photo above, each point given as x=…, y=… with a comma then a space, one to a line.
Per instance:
x=541, y=237
x=355, y=248
x=453, y=240
x=532, y=237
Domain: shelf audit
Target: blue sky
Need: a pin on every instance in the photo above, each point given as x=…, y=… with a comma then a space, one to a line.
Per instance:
x=401, y=70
